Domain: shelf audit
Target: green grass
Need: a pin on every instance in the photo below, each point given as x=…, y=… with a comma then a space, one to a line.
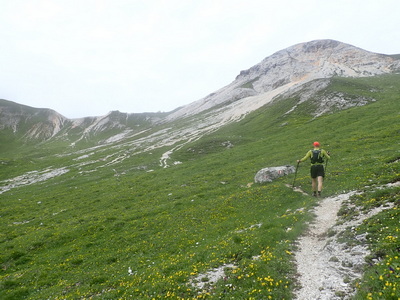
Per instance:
x=74, y=236
x=381, y=279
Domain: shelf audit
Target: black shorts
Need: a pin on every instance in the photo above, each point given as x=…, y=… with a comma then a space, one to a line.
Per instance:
x=317, y=170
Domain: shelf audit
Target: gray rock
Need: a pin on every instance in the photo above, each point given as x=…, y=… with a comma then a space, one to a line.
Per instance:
x=271, y=173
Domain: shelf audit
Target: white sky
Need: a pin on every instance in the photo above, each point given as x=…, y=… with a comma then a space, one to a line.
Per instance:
x=88, y=57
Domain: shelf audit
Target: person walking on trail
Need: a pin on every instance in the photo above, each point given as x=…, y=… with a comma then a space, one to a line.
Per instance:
x=317, y=171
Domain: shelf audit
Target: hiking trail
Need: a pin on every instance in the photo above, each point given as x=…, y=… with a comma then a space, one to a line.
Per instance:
x=326, y=267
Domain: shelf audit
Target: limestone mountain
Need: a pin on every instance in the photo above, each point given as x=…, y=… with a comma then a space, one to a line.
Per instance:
x=304, y=68
x=290, y=68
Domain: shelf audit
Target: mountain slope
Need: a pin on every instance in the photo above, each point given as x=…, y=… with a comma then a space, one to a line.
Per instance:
x=105, y=219
x=30, y=123
x=76, y=235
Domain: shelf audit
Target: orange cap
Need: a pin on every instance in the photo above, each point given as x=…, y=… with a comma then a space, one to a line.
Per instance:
x=316, y=144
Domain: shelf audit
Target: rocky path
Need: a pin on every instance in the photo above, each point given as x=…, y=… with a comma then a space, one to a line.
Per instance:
x=326, y=267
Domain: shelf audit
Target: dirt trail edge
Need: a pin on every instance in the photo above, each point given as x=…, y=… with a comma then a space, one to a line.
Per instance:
x=326, y=267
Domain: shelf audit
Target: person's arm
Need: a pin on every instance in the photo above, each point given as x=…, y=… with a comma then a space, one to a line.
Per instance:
x=325, y=154
x=308, y=155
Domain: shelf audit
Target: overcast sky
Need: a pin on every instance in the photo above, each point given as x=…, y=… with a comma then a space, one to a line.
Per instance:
x=88, y=57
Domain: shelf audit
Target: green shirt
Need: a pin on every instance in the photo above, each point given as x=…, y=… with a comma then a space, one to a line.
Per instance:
x=324, y=154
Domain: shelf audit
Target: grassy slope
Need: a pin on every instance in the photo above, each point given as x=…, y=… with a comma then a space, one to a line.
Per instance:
x=75, y=236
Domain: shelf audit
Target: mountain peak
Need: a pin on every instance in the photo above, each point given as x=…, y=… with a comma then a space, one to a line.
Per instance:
x=322, y=59
x=317, y=45
x=290, y=68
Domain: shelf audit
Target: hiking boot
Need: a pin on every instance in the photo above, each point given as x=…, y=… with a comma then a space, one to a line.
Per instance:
x=319, y=193
x=314, y=194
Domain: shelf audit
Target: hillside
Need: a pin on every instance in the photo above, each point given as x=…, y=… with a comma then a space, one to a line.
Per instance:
x=140, y=210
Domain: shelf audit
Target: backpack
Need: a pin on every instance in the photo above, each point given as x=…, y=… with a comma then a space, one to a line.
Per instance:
x=316, y=157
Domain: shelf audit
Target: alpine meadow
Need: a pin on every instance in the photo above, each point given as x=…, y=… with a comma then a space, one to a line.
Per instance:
x=164, y=205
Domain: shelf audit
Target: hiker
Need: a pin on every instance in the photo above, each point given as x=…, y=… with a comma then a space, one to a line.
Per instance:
x=317, y=171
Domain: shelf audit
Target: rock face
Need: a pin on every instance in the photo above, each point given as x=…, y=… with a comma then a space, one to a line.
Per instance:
x=272, y=173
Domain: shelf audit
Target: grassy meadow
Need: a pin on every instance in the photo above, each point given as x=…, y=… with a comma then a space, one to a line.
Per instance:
x=76, y=235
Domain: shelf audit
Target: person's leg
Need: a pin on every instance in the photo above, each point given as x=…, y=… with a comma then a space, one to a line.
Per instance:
x=313, y=173
x=321, y=175
x=314, y=186
x=320, y=184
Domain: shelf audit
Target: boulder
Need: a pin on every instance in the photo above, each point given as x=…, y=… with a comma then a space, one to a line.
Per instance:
x=271, y=173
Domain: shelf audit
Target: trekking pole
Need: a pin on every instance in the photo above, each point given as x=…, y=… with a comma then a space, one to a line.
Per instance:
x=326, y=166
x=295, y=174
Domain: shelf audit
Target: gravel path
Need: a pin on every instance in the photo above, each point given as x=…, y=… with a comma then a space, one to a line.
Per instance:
x=326, y=267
